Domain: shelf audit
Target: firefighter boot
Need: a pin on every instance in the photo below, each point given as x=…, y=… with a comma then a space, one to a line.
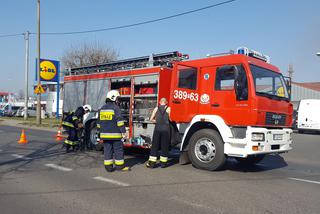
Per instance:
x=67, y=148
x=123, y=168
x=151, y=164
x=163, y=161
x=163, y=164
x=109, y=168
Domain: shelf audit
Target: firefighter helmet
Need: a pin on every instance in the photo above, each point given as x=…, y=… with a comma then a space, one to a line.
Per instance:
x=112, y=95
x=87, y=108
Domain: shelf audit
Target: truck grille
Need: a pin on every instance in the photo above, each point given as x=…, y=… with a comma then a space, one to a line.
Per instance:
x=275, y=119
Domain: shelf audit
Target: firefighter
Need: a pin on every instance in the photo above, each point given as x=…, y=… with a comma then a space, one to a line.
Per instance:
x=72, y=123
x=85, y=143
x=161, y=135
x=87, y=109
x=112, y=131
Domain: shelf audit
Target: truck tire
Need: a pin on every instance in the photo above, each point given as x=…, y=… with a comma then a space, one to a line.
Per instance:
x=250, y=160
x=206, y=150
x=91, y=137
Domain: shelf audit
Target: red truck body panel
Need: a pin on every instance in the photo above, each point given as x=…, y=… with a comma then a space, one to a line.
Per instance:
x=204, y=99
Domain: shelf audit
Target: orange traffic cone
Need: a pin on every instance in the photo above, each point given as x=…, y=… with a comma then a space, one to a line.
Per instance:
x=59, y=136
x=23, y=138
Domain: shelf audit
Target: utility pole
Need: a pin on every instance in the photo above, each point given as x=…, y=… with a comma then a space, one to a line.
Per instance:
x=38, y=67
x=26, y=95
x=290, y=71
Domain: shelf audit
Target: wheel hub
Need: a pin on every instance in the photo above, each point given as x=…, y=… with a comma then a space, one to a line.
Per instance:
x=205, y=150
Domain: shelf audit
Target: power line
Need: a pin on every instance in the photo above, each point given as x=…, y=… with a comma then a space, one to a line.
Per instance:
x=128, y=25
x=11, y=35
x=140, y=23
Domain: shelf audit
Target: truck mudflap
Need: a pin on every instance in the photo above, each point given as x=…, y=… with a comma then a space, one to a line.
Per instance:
x=260, y=141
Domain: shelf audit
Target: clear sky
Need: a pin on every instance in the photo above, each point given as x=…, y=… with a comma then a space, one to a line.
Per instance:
x=286, y=30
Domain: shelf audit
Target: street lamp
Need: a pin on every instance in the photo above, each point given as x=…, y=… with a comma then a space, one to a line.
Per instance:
x=318, y=53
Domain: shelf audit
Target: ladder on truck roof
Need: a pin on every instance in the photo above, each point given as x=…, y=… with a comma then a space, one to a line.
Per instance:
x=128, y=64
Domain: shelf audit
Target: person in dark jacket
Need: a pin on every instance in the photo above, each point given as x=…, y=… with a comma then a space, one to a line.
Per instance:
x=72, y=123
x=112, y=131
x=161, y=134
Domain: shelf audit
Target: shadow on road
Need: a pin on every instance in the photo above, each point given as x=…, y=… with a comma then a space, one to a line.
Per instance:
x=270, y=162
x=141, y=156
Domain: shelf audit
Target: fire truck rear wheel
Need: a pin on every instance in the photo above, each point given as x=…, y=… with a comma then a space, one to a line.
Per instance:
x=93, y=138
x=206, y=150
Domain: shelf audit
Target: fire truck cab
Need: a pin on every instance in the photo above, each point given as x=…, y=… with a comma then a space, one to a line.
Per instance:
x=234, y=105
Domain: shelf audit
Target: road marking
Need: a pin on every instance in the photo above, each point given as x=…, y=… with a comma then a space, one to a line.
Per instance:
x=190, y=203
x=308, y=181
x=58, y=167
x=21, y=157
x=99, y=178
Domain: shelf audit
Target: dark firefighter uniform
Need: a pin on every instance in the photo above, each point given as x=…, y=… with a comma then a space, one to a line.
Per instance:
x=111, y=128
x=71, y=125
x=161, y=138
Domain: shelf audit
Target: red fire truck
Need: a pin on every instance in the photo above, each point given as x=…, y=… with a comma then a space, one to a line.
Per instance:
x=229, y=105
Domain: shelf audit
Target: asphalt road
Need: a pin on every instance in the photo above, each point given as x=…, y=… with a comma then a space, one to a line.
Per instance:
x=41, y=178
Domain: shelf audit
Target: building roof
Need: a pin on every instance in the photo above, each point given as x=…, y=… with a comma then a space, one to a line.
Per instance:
x=4, y=93
x=307, y=90
x=310, y=85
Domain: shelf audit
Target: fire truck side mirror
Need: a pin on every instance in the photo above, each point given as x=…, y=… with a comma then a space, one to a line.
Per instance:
x=288, y=84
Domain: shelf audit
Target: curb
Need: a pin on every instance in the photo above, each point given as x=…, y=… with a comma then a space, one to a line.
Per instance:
x=16, y=123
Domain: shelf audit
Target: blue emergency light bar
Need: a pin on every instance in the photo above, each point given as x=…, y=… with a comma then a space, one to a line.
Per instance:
x=252, y=53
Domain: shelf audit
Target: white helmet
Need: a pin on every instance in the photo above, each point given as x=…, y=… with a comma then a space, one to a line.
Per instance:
x=112, y=95
x=87, y=107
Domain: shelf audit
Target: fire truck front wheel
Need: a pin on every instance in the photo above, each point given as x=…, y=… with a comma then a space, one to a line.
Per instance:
x=206, y=150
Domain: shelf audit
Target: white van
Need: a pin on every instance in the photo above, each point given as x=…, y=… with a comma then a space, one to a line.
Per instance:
x=308, y=117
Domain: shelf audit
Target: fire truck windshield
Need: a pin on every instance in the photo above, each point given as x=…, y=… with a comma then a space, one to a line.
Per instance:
x=269, y=83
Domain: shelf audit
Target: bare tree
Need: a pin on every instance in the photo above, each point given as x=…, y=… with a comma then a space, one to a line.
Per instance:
x=88, y=54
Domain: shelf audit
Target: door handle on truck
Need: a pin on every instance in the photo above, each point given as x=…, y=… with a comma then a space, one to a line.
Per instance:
x=176, y=102
x=215, y=105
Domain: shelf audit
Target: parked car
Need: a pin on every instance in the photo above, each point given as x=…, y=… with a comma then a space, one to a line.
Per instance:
x=308, y=118
x=9, y=111
x=32, y=112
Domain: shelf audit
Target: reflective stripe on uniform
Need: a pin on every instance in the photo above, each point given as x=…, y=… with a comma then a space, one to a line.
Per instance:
x=108, y=162
x=119, y=162
x=107, y=110
x=111, y=135
x=74, y=118
x=153, y=159
x=69, y=142
x=120, y=123
x=98, y=126
x=163, y=159
x=67, y=124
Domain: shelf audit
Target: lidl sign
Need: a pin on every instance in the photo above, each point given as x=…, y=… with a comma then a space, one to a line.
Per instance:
x=49, y=70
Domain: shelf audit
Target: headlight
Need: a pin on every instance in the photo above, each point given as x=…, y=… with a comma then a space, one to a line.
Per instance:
x=257, y=136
